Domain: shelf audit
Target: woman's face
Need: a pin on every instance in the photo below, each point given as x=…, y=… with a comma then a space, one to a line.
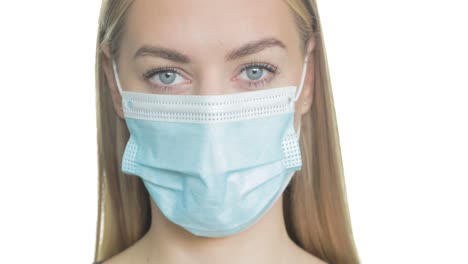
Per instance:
x=210, y=47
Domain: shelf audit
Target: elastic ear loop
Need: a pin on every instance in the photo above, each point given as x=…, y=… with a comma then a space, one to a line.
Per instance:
x=301, y=85
x=114, y=66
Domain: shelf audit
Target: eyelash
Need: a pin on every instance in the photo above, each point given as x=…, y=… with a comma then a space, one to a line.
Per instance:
x=273, y=69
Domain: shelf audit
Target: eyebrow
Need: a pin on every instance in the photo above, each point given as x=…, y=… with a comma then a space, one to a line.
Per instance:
x=176, y=56
x=254, y=47
x=165, y=53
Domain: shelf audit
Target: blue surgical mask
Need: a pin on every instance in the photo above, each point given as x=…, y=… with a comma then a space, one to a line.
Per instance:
x=214, y=164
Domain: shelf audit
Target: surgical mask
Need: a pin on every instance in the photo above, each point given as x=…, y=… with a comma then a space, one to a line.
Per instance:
x=213, y=164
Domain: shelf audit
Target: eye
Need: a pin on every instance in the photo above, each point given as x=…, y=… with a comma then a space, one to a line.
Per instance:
x=164, y=76
x=253, y=72
x=167, y=77
x=258, y=74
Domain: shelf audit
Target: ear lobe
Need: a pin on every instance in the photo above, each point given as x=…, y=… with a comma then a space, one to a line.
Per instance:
x=111, y=83
x=311, y=45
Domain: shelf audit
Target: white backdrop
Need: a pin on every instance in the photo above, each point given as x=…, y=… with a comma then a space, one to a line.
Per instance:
x=399, y=71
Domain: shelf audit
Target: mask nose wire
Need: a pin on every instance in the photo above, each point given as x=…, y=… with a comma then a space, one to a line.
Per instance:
x=114, y=66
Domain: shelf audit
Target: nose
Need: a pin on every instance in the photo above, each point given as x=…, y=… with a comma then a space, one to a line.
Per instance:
x=213, y=81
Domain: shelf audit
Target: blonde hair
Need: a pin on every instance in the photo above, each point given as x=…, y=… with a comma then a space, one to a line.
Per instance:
x=315, y=203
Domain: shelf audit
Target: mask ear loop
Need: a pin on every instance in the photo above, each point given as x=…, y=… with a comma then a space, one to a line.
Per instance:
x=304, y=71
x=114, y=66
x=301, y=85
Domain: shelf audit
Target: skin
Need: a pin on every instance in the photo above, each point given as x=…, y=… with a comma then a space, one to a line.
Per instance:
x=205, y=32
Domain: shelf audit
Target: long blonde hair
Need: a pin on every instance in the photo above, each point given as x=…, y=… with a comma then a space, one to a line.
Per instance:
x=315, y=203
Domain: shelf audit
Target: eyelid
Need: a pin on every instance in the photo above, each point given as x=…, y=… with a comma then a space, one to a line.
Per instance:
x=154, y=71
x=268, y=66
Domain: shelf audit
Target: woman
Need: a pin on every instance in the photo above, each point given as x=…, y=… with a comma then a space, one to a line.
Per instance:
x=224, y=112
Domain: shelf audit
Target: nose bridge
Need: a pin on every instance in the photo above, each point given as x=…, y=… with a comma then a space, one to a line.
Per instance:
x=212, y=80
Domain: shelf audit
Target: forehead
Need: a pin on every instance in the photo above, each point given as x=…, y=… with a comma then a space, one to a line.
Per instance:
x=208, y=25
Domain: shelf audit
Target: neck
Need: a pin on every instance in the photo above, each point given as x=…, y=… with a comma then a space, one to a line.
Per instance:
x=266, y=241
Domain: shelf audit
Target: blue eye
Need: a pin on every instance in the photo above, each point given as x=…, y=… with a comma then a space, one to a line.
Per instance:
x=254, y=73
x=258, y=74
x=167, y=77
x=164, y=76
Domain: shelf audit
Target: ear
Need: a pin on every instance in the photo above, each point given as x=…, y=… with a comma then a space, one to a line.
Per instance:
x=305, y=100
x=106, y=62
